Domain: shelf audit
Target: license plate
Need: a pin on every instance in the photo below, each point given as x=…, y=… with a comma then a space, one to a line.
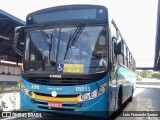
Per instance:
x=55, y=104
x=73, y=68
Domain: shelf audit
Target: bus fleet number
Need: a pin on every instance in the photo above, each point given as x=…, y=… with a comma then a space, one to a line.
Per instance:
x=82, y=88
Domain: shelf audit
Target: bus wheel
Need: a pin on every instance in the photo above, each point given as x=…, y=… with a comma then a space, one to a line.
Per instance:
x=131, y=97
x=119, y=100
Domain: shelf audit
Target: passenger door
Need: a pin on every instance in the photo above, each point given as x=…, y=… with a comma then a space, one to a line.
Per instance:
x=113, y=78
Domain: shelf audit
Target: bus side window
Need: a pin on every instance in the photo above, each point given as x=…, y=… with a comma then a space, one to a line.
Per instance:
x=125, y=55
x=127, y=58
x=114, y=40
x=121, y=56
x=113, y=50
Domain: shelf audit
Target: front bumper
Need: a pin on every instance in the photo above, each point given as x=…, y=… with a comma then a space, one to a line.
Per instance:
x=97, y=107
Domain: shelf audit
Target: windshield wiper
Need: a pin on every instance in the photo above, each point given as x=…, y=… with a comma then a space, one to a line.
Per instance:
x=44, y=35
x=73, y=38
x=50, y=45
x=47, y=40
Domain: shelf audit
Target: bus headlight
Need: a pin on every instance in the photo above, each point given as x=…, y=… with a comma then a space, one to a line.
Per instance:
x=94, y=94
x=26, y=91
x=101, y=89
x=85, y=97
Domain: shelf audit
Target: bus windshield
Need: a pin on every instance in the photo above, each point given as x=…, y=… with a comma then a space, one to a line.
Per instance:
x=67, y=50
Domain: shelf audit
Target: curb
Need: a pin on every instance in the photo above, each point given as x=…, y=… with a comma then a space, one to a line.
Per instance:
x=9, y=118
x=148, y=83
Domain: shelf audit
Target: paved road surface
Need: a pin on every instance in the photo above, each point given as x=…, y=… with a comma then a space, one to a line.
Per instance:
x=145, y=99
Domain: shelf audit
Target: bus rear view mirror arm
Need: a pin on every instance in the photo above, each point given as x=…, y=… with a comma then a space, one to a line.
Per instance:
x=17, y=37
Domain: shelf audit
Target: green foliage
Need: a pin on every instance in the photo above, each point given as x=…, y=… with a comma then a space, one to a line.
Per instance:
x=2, y=87
x=156, y=75
x=147, y=74
x=138, y=77
x=18, y=85
x=13, y=97
x=2, y=103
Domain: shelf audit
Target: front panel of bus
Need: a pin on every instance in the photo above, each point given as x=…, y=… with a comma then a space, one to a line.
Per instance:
x=66, y=67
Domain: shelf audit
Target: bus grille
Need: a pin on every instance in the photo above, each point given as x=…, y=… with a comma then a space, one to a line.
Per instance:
x=59, y=82
x=62, y=96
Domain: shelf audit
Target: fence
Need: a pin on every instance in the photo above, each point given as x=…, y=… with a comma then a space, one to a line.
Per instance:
x=9, y=72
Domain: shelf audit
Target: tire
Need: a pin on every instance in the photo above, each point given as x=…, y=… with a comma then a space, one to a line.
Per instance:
x=119, y=100
x=131, y=97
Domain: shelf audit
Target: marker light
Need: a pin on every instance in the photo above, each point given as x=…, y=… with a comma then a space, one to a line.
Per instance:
x=94, y=94
x=30, y=93
x=105, y=85
x=54, y=93
x=85, y=97
x=26, y=91
x=101, y=89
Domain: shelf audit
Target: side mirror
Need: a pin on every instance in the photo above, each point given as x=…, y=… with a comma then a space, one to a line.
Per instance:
x=117, y=46
x=17, y=38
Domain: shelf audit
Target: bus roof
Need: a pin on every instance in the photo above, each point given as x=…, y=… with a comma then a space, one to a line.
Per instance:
x=68, y=12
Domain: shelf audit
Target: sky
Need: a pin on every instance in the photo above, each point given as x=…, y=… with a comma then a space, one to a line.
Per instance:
x=136, y=20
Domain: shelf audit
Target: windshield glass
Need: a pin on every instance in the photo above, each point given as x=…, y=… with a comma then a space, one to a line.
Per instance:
x=67, y=50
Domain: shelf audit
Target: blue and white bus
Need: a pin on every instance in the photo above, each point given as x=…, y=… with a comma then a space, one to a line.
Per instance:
x=75, y=61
